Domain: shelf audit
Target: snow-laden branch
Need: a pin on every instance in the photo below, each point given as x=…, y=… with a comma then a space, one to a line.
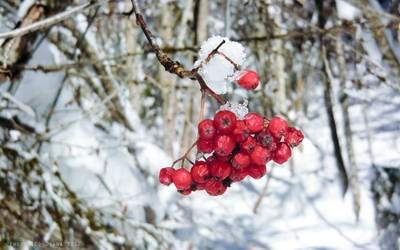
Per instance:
x=46, y=22
x=171, y=66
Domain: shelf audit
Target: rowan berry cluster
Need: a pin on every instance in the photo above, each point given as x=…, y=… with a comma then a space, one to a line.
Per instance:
x=234, y=149
x=231, y=148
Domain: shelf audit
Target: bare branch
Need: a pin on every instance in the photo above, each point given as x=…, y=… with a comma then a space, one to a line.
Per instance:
x=46, y=22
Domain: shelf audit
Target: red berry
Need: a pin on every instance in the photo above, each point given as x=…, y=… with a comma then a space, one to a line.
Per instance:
x=206, y=129
x=185, y=191
x=200, y=172
x=293, y=137
x=210, y=159
x=260, y=155
x=257, y=171
x=224, y=158
x=241, y=160
x=249, y=79
x=238, y=174
x=278, y=127
x=241, y=132
x=200, y=186
x=214, y=187
x=204, y=146
x=165, y=176
x=225, y=121
x=265, y=139
x=254, y=122
x=249, y=144
x=181, y=179
x=282, y=153
x=223, y=144
x=220, y=169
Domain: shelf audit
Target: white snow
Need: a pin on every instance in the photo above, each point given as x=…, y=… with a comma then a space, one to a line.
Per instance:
x=218, y=69
x=240, y=109
x=346, y=10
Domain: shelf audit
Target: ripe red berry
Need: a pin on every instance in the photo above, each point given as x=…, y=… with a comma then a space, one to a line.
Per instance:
x=238, y=174
x=201, y=186
x=206, y=129
x=278, y=127
x=241, y=160
x=260, y=155
x=200, y=172
x=249, y=144
x=265, y=139
x=257, y=171
x=204, y=146
x=241, y=132
x=282, y=153
x=220, y=169
x=181, y=179
x=226, y=158
x=215, y=187
x=249, y=79
x=293, y=137
x=254, y=122
x=225, y=121
x=223, y=144
x=165, y=176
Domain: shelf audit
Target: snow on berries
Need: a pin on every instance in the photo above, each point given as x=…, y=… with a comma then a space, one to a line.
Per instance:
x=233, y=149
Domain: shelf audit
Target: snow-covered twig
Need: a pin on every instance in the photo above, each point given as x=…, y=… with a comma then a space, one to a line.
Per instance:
x=173, y=67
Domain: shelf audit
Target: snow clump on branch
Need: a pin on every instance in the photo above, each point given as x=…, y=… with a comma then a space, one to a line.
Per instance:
x=217, y=71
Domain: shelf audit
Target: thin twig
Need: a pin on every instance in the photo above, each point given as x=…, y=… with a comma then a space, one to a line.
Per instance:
x=203, y=95
x=263, y=192
x=185, y=156
x=46, y=22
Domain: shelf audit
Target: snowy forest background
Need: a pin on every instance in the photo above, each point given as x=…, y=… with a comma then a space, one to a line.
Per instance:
x=88, y=116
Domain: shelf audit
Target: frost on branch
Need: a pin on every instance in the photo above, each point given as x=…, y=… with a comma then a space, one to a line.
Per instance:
x=218, y=69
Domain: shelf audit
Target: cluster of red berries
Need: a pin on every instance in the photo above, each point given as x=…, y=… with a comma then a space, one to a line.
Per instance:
x=235, y=149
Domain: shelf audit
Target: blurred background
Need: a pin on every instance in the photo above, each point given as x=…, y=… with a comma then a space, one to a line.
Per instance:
x=88, y=116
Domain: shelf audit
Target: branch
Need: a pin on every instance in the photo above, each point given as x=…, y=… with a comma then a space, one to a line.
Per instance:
x=171, y=66
x=47, y=22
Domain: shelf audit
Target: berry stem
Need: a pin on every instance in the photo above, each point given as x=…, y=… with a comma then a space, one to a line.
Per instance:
x=185, y=156
x=230, y=60
x=203, y=95
x=204, y=86
x=213, y=52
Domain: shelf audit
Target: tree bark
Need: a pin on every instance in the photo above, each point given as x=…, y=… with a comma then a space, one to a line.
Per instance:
x=332, y=122
x=344, y=100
